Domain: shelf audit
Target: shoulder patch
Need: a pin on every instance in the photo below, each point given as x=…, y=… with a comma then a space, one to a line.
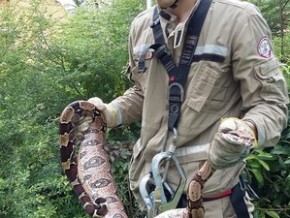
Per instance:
x=264, y=48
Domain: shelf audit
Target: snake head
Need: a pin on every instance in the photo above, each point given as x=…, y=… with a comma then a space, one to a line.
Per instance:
x=240, y=138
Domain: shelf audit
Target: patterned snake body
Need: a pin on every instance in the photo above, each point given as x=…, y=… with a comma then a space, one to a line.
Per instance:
x=87, y=166
x=85, y=162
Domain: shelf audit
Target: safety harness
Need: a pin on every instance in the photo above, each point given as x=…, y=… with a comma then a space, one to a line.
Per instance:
x=153, y=187
x=178, y=73
x=156, y=200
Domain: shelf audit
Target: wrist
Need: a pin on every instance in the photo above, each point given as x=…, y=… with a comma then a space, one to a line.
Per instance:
x=253, y=127
x=110, y=113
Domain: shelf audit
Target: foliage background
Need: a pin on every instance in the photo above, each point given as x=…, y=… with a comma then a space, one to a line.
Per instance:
x=49, y=58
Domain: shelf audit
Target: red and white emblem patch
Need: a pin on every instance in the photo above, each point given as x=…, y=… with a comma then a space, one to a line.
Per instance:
x=264, y=48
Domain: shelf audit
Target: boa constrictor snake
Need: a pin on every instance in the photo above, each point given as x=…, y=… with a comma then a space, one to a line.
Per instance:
x=87, y=166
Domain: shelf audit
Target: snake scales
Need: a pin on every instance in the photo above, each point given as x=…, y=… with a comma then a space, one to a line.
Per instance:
x=87, y=166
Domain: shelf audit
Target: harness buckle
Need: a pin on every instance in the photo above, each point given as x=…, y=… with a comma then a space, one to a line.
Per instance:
x=175, y=93
x=175, y=97
x=160, y=51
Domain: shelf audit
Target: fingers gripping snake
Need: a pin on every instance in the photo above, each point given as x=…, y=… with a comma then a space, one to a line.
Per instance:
x=87, y=167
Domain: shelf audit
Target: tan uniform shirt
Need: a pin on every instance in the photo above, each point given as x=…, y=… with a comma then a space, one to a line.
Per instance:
x=247, y=84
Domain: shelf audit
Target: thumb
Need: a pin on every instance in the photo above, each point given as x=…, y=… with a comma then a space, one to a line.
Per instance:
x=98, y=103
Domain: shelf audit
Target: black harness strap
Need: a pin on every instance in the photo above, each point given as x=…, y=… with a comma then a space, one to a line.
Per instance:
x=178, y=74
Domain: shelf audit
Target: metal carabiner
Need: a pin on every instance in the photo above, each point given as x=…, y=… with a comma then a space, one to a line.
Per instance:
x=160, y=203
x=156, y=200
x=147, y=194
x=171, y=151
x=173, y=202
x=144, y=189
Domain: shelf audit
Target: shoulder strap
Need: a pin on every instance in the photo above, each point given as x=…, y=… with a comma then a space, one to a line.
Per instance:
x=178, y=74
x=156, y=27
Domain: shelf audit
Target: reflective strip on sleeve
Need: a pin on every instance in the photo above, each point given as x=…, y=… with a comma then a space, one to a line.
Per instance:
x=119, y=119
x=211, y=49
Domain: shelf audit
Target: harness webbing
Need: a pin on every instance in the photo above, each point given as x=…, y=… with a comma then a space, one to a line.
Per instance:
x=178, y=73
x=177, y=78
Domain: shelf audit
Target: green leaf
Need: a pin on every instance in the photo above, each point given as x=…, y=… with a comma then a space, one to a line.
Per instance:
x=266, y=156
x=287, y=161
x=264, y=164
x=281, y=150
x=258, y=176
x=272, y=213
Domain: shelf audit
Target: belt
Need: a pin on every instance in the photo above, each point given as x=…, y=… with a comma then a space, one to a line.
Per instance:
x=218, y=196
x=183, y=201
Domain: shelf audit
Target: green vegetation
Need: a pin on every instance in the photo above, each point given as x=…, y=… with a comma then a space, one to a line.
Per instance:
x=48, y=60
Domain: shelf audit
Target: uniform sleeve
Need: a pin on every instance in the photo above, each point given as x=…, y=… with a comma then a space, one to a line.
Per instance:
x=129, y=106
x=263, y=86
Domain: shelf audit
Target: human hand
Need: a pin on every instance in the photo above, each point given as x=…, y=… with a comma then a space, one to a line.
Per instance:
x=231, y=143
x=109, y=111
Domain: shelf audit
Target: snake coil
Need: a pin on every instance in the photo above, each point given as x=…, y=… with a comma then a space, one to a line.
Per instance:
x=85, y=162
x=87, y=167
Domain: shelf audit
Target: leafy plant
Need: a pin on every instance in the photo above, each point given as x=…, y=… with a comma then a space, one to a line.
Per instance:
x=49, y=58
x=269, y=172
x=46, y=61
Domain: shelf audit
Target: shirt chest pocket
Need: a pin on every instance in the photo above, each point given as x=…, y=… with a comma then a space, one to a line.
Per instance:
x=203, y=92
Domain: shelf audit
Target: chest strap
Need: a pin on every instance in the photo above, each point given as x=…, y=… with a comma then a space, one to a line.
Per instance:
x=178, y=73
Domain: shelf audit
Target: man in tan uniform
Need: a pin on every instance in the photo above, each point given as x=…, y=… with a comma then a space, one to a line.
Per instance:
x=233, y=73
